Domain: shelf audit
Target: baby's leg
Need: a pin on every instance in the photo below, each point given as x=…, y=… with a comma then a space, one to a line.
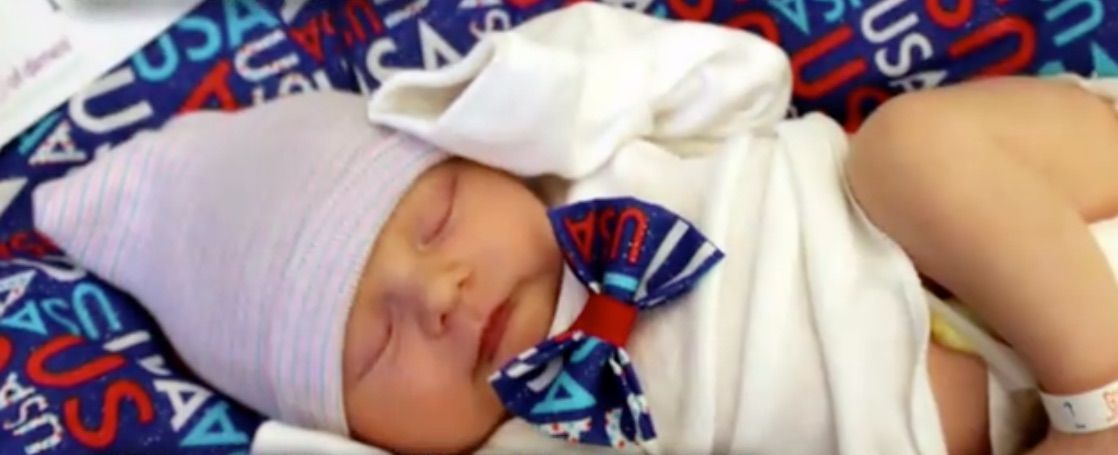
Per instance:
x=988, y=187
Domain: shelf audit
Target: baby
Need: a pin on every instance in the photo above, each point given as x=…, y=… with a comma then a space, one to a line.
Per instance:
x=356, y=279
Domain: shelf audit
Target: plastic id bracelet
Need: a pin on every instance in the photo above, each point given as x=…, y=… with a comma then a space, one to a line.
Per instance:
x=1087, y=412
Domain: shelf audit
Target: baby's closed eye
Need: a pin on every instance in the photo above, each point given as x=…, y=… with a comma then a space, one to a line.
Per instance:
x=437, y=216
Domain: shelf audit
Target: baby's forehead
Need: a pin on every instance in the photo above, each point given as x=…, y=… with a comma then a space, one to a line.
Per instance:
x=549, y=189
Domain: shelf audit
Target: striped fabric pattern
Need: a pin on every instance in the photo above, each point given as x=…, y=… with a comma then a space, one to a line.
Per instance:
x=244, y=235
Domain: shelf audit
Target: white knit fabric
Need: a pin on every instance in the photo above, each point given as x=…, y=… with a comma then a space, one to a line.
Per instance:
x=244, y=235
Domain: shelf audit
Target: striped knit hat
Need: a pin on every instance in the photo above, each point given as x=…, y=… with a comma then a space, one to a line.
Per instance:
x=244, y=235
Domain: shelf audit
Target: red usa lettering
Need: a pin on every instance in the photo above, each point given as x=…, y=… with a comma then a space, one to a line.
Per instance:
x=38, y=425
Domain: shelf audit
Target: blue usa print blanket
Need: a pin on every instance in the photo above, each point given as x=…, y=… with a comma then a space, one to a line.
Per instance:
x=84, y=370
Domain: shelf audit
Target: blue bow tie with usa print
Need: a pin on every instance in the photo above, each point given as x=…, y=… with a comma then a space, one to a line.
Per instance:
x=580, y=384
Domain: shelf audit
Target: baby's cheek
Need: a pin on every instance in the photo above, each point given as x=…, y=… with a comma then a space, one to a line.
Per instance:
x=465, y=419
x=432, y=414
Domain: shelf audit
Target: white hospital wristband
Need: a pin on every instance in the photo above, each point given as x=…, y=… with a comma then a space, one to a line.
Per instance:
x=1087, y=412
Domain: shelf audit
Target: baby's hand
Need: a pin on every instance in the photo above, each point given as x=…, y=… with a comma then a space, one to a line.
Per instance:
x=1057, y=443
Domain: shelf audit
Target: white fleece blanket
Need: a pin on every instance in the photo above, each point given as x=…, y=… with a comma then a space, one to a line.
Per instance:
x=811, y=336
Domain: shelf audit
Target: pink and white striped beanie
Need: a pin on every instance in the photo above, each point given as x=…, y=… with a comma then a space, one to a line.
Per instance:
x=244, y=235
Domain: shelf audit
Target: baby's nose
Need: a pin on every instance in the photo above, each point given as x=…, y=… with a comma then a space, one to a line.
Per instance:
x=441, y=296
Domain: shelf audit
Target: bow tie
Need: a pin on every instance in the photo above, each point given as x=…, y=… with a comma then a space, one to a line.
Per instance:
x=580, y=384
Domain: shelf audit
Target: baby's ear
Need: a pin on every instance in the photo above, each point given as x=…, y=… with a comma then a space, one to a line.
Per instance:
x=550, y=189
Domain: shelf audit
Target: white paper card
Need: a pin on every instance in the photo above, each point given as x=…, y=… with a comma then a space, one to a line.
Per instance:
x=51, y=49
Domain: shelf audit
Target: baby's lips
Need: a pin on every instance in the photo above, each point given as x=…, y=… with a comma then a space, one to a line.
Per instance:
x=493, y=332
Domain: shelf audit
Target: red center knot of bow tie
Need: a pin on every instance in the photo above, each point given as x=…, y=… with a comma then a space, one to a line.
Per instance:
x=607, y=318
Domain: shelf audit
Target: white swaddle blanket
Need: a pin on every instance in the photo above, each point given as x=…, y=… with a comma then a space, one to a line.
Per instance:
x=811, y=336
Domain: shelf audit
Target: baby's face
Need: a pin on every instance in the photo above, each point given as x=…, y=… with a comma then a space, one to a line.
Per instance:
x=462, y=278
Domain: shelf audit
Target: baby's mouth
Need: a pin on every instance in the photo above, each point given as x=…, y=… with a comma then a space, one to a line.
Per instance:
x=492, y=334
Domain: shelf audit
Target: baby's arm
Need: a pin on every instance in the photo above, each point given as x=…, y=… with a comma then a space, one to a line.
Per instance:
x=989, y=187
